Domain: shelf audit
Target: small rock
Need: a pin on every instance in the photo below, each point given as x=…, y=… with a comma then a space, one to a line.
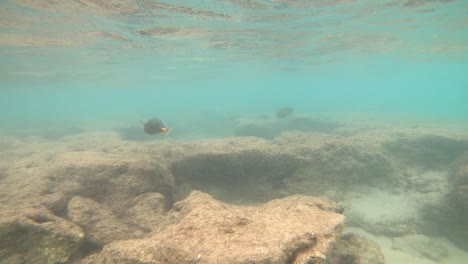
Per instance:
x=355, y=249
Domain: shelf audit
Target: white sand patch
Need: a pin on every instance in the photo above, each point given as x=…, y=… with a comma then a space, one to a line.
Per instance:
x=375, y=205
x=382, y=212
x=394, y=256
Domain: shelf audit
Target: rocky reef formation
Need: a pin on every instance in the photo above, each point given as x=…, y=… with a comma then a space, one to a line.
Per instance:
x=35, y=235
x=290, y=230
x=107, y=197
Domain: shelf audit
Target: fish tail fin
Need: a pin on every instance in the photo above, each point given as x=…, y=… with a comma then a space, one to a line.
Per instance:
x=169, y=131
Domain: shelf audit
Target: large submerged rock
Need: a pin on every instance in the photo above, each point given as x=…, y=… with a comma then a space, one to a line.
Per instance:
x=112, y=179
x=35, y=235
x=256, y=170
x=131, y=185
x=295, y=229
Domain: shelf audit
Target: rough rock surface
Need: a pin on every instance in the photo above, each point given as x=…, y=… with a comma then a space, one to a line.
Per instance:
x=148, y=212
x=122, y=177
x=253, y=169
x=355, y=249
x=229, y=175
x=332, y=163
x=35, y=235
x=290, y=230
x=100, y=225
x=427, y=151
x=111, y=179
x=456, y=226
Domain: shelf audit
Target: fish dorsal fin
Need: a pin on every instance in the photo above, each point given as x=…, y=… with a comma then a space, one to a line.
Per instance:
x=162, y=122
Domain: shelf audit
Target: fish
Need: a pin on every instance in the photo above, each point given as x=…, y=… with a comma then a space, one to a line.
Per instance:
x=155, y=126
x=284, y=112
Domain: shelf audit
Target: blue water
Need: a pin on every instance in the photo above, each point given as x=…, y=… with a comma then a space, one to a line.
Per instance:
x=222, y=68
x=62, y=62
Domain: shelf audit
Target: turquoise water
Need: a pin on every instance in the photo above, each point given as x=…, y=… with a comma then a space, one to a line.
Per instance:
x=124, y=60
x=380, y=88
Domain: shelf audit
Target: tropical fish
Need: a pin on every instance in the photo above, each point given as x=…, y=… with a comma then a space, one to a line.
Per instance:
x=155, y=126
